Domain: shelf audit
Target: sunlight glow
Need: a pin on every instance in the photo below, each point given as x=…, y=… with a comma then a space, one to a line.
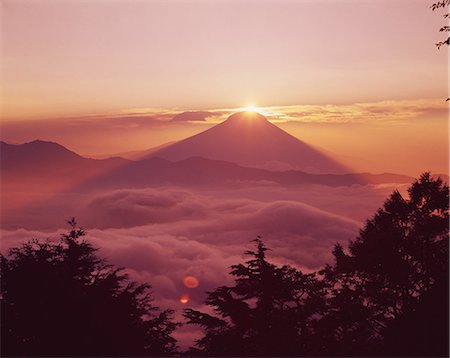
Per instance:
x=265, y=111
x=250, y=108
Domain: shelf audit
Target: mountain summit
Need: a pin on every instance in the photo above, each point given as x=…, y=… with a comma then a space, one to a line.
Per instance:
x=249, y=139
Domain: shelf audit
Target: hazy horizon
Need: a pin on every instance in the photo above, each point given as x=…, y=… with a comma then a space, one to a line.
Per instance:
x=359, y=135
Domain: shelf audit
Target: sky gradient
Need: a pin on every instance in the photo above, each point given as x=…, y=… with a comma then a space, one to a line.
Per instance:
x=70, y=58
x=361, y=80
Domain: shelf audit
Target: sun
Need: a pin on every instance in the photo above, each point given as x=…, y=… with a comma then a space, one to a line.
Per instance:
x=250, y=108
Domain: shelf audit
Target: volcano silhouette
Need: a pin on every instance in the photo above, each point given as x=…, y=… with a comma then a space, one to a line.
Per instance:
x=249, y=139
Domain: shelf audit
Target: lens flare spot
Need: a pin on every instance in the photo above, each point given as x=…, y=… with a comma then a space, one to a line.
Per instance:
x=184, y=299
x=190, y=281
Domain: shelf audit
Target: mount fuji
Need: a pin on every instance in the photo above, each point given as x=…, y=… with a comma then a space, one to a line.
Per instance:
x=249, y=139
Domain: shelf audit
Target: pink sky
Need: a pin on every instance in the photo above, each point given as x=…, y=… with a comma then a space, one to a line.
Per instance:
x=63, y=58
x=361, y=80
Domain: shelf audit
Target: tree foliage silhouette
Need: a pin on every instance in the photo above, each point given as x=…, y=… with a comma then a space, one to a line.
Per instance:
x=437, y=5
x=393, y=284
x=61, y=299
x=269, y=311
x=446, y=28
x=387, y=297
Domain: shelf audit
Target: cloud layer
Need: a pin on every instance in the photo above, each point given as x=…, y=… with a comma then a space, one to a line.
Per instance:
x=162, y=235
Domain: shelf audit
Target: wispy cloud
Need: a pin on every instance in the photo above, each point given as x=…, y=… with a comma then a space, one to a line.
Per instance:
x=142, y=128
x=386, y=111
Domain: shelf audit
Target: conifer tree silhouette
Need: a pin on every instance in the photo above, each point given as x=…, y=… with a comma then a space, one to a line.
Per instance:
x=268, y=312
x=61, y=299
x=390, y=292
x=387, y=297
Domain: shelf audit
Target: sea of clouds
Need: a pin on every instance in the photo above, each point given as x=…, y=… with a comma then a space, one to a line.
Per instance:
x=160, y=235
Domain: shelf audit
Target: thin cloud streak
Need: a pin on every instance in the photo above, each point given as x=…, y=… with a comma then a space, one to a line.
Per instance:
x=387, y=111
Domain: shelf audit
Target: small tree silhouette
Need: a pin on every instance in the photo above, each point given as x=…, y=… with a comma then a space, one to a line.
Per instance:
x=437, y=5
x=61, y=299
x=269, y=311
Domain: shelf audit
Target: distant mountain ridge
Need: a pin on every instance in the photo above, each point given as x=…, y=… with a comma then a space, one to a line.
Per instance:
x=37, y=151
x=49, y=165
x=43, y=153
x=134, y=154
x=197, y=171
x=46, y=163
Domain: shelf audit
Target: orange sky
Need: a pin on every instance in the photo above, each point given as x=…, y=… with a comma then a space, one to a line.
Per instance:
x=64, y=58
x=360, y=79
x=405, y=137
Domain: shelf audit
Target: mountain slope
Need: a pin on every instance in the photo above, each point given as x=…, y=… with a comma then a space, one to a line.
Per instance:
x=249, y=139
x=47, y=164
x=207, y=173
x=36, y=154
x=134, y=154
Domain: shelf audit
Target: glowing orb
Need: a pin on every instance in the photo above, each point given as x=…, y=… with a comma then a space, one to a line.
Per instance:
x=250, y=108
x=190, y=281
x=184, y=298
